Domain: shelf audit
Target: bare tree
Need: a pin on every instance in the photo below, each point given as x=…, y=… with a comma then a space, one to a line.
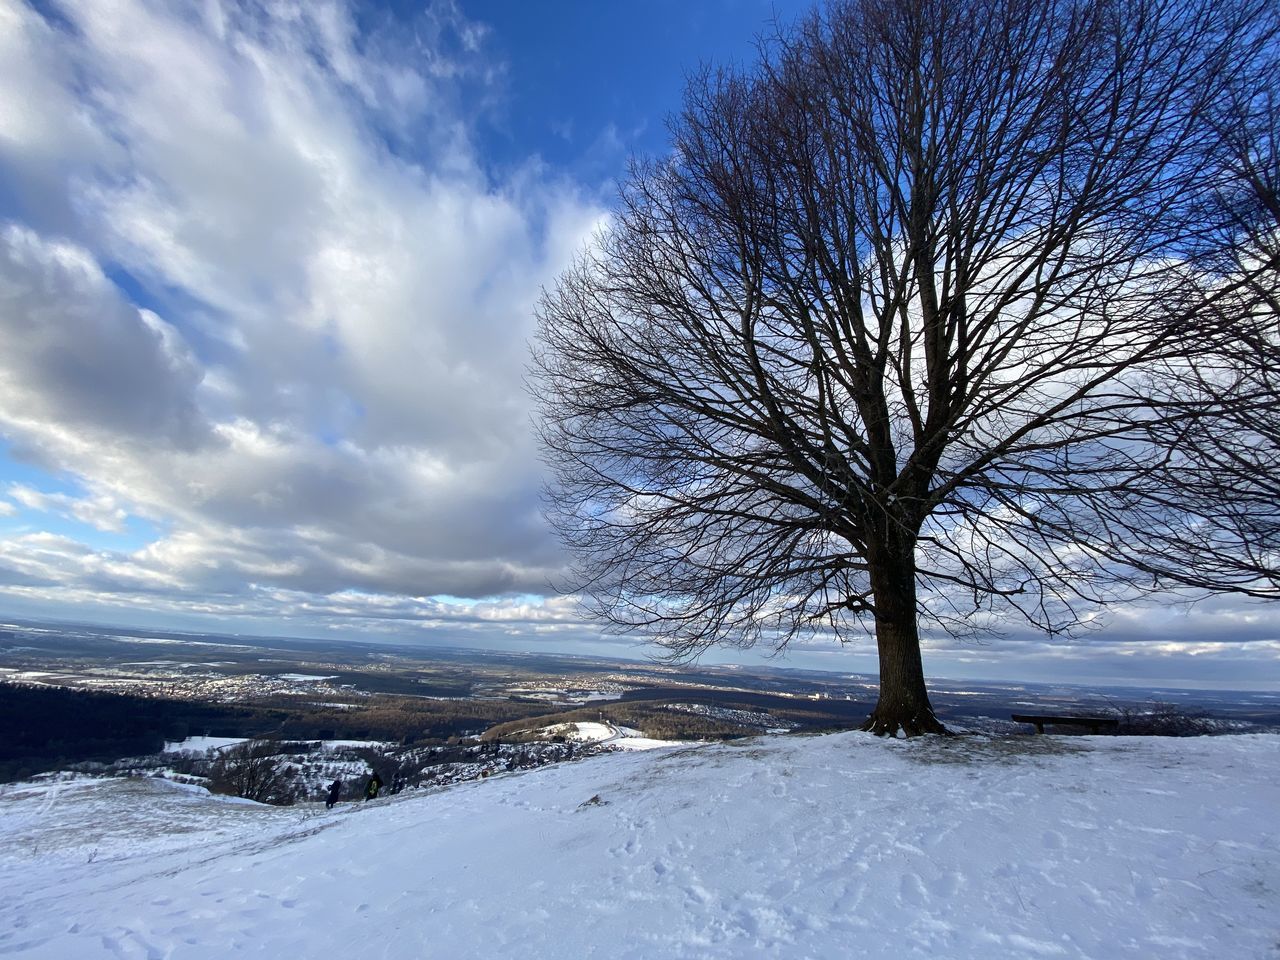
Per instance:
x=890, y=334
x=253, y=770
x=1224, y=465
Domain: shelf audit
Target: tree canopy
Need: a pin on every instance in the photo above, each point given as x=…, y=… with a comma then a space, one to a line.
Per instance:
x=943, y=311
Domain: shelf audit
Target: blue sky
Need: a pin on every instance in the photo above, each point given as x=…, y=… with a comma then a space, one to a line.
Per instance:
x=267, y=275
x=584, y=82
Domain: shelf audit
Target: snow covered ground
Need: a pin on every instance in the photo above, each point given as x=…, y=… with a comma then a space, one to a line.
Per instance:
x=782, y=847
x=201, y=744
x=305, y=677
x=620, y=738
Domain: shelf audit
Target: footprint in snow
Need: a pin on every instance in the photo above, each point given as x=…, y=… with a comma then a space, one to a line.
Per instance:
x=913, y=889
x=946, y=885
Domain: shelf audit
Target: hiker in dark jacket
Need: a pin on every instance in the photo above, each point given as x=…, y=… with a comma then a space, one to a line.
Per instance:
x=371, y=789
x=335, y=789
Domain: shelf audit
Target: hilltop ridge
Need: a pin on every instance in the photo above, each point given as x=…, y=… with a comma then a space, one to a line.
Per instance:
x=781, y=847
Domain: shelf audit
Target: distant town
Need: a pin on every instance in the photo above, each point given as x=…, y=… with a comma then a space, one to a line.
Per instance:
x=109, y=700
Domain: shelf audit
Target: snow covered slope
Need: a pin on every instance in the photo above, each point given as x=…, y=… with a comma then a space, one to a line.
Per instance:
x=786, y=847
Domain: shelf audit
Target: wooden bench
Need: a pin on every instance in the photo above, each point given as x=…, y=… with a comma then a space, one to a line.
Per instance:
x=1095, y=724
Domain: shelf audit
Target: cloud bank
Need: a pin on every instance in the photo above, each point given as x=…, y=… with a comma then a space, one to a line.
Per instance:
x=264, y=296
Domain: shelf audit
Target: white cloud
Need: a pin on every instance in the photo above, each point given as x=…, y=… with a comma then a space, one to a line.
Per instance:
x=101, y=511
x=323, y=390
x=79, y=360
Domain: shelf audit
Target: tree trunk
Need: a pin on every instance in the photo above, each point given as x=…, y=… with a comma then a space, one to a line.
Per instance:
x=904, y=701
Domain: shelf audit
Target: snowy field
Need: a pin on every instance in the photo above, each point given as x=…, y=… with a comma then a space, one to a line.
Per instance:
x=785, y=847
x=201, y=744
x=304, y=677
x=620, y=738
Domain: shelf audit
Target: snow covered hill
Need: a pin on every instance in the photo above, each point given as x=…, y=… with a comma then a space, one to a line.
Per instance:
x=785, y=847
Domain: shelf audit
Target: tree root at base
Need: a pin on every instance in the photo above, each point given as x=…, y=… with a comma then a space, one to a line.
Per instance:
x=913, y=725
